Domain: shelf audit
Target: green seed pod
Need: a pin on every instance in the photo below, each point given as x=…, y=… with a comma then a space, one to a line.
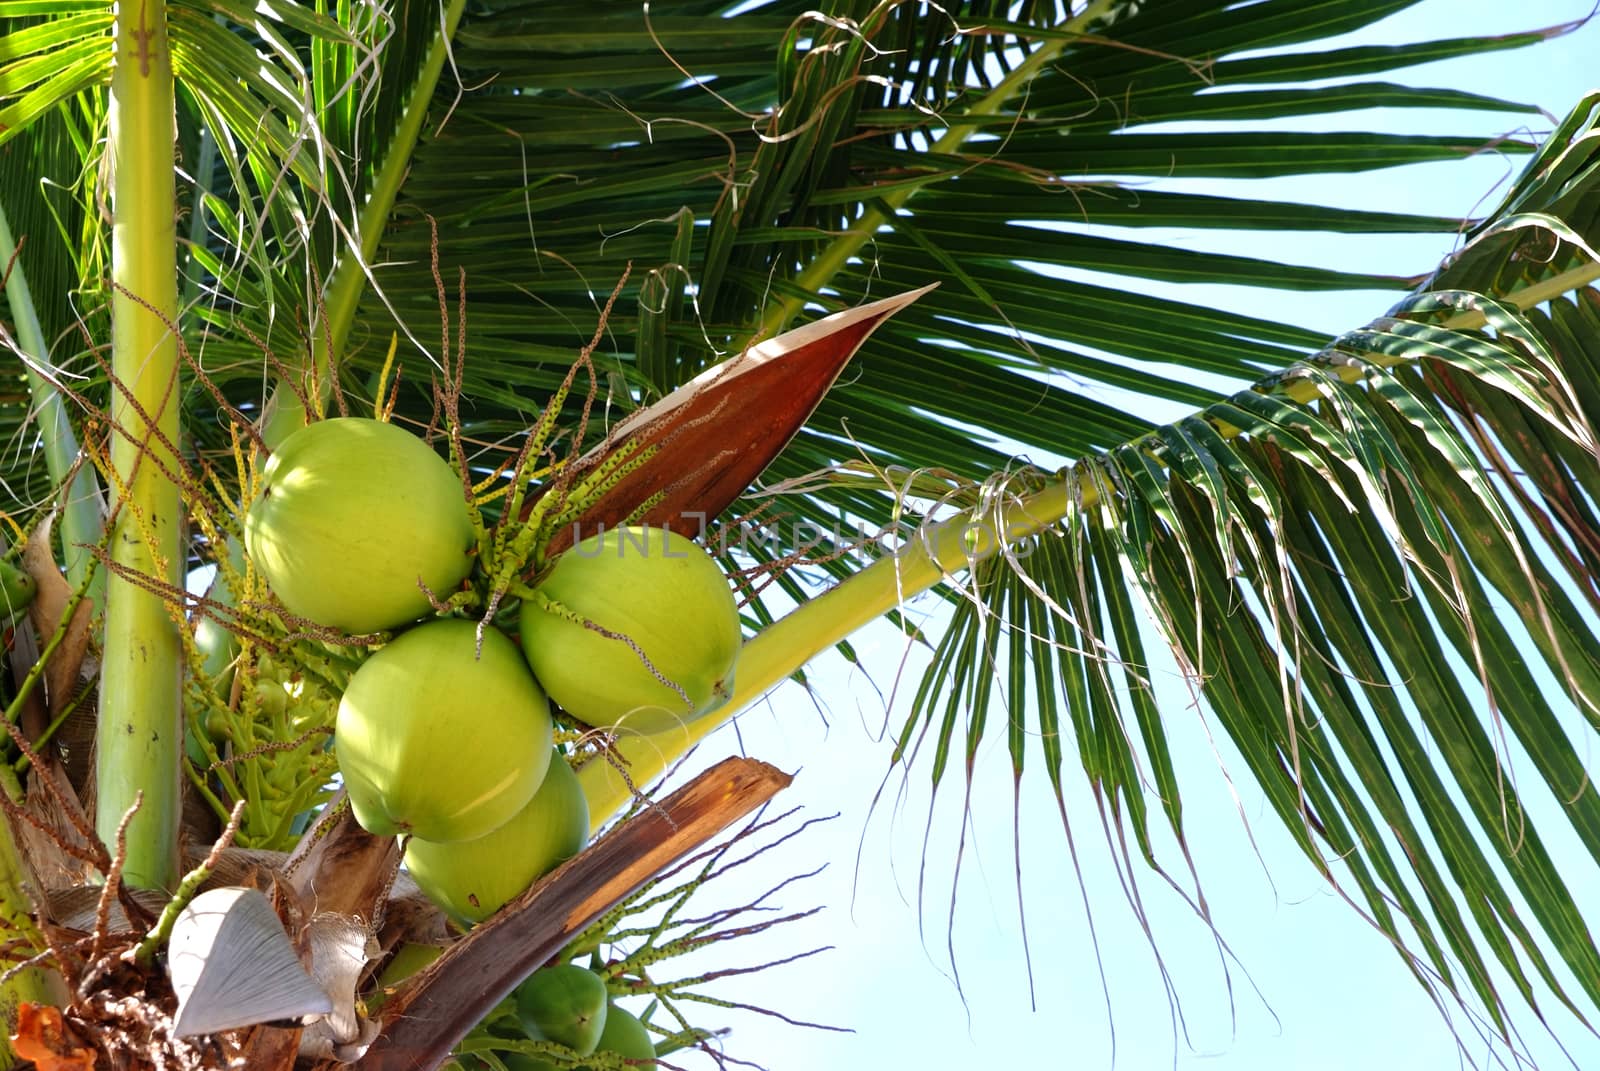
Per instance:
x=17, y=590
x=635, y=629
x=625, y=1035
x=216, y=726
x=352, y=517
x=271, y=698
x=564, y=1004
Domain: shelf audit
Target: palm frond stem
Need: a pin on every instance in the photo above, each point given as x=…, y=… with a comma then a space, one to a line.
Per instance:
x=83, y=510
x=206, y=159
x=1303, y=391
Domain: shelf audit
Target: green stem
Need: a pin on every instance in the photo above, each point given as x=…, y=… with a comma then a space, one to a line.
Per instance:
x=140, y=731
x=145, y=952
x=205, y=163
x=820, y=272
x=343, y=293
x=778, y=651
x=83, y=513
x=23, y=761
x=92, y=582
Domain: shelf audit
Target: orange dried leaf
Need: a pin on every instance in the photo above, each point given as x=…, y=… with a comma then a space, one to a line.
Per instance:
x=42, y=1037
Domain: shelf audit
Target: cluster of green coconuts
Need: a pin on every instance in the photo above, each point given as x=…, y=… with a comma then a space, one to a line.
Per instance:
x=445, y=732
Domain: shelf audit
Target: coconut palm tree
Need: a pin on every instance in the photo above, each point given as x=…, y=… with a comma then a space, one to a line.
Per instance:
x=1366, y=552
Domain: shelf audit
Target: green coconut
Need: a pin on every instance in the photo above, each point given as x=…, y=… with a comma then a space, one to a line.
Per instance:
x=354, y=518
x=471, y=880
x=634, y=630
x=407, y=960
x=438, y=742
x=625, y=1035
x=17, y=589
x=565, y=1004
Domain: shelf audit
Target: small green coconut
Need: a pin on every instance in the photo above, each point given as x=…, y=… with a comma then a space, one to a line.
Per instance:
x=565, y=1004
x=471, y=880
x=354, y=518
x=634, y=630
x=439, y=742
x=625, y=1035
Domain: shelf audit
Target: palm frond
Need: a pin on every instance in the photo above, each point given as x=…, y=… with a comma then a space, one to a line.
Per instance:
x=48, y=194
x=879, y=149
x=1349, y=559
x=1378, y=569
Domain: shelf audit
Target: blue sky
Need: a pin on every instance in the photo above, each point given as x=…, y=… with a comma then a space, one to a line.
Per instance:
x=1312, y=987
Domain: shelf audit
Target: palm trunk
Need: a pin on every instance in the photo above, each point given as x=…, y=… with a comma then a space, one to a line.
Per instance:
x=140, y=735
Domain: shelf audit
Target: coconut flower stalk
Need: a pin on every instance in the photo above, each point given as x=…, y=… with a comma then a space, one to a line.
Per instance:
x=140, y=735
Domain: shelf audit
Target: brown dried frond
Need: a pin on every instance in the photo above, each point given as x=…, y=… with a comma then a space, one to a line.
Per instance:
x=121, y=1011
x=86, y=850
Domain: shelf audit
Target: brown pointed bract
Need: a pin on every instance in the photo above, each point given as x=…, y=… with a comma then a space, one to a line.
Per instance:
x=715, y=434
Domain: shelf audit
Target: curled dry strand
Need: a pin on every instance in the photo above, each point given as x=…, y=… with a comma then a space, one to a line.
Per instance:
x=608, y=753
x=113, y=874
